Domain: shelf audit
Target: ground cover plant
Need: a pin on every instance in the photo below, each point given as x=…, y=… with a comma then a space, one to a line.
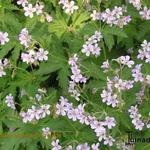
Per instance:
x=74, y=75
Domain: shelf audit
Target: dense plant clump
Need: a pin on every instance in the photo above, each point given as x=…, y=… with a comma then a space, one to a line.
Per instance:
x=74, y=74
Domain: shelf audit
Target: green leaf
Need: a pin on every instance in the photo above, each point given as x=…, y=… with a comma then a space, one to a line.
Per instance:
x=47, y=68
x=58, y=27
x=109, y=41
x=79, y=18
x=16, y=53
x=6, y=48
x=92, y=70
x=114, y=31
x=63, y=75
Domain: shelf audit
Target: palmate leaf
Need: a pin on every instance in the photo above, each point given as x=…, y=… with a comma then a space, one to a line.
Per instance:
x=114, y=31
x=109, y=41
x=62, y=71
x=31, y=23
x=48, y=67
x=58, y=27
x=79, y=18
x=4, y=50
x=11, y=24
x=25, y=80
x=98, y=84
x=93, y=70
x=25, y=135
x=88, y=29
x=63, y=75
x=16, y=53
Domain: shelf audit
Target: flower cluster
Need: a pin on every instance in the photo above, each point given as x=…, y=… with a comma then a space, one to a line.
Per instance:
x=125, y=60
x=64, y=108
x=136, y=117
x=46, y=132
x=145, y=13
x=91, y=45
x=109, y=95
x=112, y=17
x=40, y=94
x=24, y=37
x=9, y=100
x=29, y=10
x=76, y=77
x=3, y=38
x=68, y=6
x=31, y=56
x=105, y=65
x=3, y=65
x=136, y=3
x=34, y=57
x=140, y=95
x=95, y=15
x=22, y=2
x=84, y=146
x=136, y=73
x=35, y=113
x=148, y=122
x=144, y=52
x=56, y=146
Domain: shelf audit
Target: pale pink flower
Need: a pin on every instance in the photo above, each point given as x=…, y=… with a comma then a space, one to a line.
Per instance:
x=29, y=10
x=3, y=38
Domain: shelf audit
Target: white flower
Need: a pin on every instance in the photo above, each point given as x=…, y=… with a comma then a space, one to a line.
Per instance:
x=55, y=145
x=125, y=60
x=24, y=37
x=38, y=97
x=49, y=18
x=138, y=123
x=83, y=147
x=34, y=113
x=39, y=8
x=136, y=73
x=3, y=38
x=9, y=100
x=110, y=122
x=69, y=147
x=29, y=10
x=73, y=114
x=70, y=7
x=46, y=132
x=26, y=117
x=145, y=13
x=61, y=109
x=63, y=2
x=105, y=65
x=28, y=58
x=148, y=79
x=148, y=125
x=136, y=3
x=2, y=72
x=22, y=2
x=41, y=55
x=109, y=141
x=95, y=146
x=45, y=110
x=95, y=15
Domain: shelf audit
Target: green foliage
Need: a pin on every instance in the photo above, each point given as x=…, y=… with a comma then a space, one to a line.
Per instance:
x=62, y=38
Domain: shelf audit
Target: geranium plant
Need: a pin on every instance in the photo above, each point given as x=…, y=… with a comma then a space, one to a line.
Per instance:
x=74, y=74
